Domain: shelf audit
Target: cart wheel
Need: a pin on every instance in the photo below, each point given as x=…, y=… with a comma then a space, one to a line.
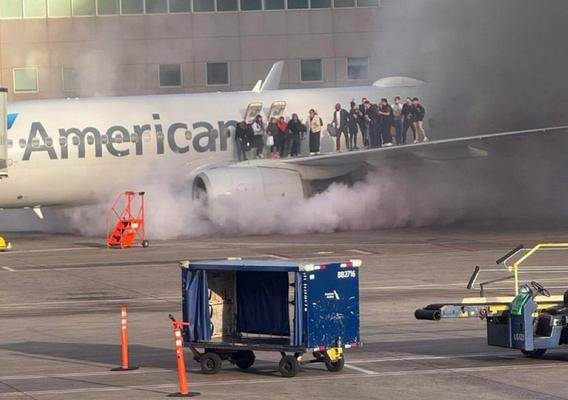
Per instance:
x=335, y=366
x=145, y=243
x=210, y=363
x=289, y=366
x=534, y=354
x=244, y=359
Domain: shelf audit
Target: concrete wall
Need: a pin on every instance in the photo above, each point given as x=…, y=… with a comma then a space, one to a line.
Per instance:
x=120, y=55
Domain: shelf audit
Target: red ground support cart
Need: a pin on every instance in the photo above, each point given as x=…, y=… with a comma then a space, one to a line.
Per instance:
x=130, y=227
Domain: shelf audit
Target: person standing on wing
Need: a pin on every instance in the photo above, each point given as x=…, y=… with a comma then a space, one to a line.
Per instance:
x=419, y=112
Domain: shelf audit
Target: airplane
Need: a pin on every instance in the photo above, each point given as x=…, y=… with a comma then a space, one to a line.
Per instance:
x=68, y=152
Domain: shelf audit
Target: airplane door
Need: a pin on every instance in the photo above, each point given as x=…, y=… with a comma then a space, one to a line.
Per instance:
x=277, y=109
x=252, y=111
x=3, y=133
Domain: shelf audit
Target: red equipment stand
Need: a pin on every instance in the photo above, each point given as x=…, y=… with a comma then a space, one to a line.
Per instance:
x=130, y=229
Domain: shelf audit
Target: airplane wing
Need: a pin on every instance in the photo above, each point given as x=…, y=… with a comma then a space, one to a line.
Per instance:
x=434, y=150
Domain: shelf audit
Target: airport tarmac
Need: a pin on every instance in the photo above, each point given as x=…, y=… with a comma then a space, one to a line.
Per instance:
x=60, y=299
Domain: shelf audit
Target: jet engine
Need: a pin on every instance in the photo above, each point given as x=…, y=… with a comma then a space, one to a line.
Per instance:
x=269, y=183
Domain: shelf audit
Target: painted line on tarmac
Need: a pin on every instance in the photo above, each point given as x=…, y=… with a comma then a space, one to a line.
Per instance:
x=174, y=387
x=426, y=358
x=420, y=287
x=125, y=300
x=51, y=250
x=278, y=257
x=359, y=369
x=81, y=374
x=9, y=269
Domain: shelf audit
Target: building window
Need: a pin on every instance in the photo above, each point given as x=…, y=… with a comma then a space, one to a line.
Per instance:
x=367, y=3
x=217, y=73
x=311, y=70
x=320, y=4
x=297, y=4
x=83, y=7
x=25, y=80
x=251, y=5
x=59, y=8
x=170, y=75
x=35, y=9
x=343, y=3
x=132, y=6
x=203, y=5
x=156, y=6
x=11, y=8
x=180, y=6
x=71, y=79
x=358, y=68
x=107, y=7
x=274, y=4
x=227, y=5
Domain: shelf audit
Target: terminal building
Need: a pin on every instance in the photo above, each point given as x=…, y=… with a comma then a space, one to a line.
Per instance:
x=85, y=48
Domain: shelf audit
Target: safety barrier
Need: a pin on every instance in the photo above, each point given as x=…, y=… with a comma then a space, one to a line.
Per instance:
x=124, y=342
x=183, y=390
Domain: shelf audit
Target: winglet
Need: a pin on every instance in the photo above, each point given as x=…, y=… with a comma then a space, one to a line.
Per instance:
x=272, y=81
x=257, y=87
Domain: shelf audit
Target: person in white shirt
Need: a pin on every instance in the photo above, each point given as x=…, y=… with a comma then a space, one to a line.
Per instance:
x=258, y=138
x=397, y=114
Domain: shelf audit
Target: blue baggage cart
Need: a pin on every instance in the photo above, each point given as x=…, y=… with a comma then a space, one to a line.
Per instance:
x=236, y=307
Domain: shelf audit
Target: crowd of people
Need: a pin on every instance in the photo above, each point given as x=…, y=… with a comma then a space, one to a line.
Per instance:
x=376, y=124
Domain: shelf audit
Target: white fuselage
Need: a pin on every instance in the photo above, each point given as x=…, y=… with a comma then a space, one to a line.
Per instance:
x=85, y=168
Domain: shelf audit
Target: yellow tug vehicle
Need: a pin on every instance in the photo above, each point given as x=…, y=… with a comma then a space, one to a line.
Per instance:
x=4, y=245
x=532, y=321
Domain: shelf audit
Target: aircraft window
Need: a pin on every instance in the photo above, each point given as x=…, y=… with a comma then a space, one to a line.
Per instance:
x=35, y=142
x=118, y=138
x=160, y=136
x=10, y=143
x=90, y=139
x=134, y=138
x=146, y=136
x=10, y=162
x=75, y=140
x=104, y=139
x=188, y=135
x=63, y=141
x=23, y=143
x=49, y=142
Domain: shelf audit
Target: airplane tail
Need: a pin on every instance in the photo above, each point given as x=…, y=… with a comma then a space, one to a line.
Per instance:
x=272, y=81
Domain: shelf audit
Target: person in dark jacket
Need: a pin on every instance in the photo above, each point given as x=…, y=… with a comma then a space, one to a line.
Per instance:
x=340, y=123
x=363, y=122
x=407, y=119
x=419, y=112
x=282, y=133
x=372, y=112
x=295, y=129
x=272, y=132
x=352, y=123
x=386, y=120
x=241, y=139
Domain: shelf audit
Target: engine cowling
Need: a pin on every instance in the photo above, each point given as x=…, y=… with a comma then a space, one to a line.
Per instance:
x=269, y=183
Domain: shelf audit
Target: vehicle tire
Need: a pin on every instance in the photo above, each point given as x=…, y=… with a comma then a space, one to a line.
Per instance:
x=145, y=243
x=210, y=363
x=289, y=366
x=534, y=354
x=244, y=359
x=335, y=366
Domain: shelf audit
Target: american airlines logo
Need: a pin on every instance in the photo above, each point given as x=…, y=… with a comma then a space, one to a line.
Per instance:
x=120, y=141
